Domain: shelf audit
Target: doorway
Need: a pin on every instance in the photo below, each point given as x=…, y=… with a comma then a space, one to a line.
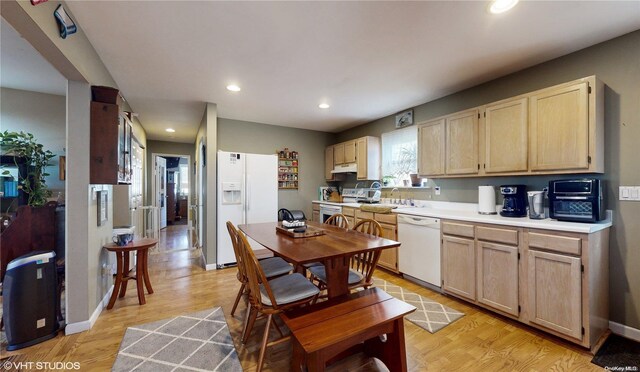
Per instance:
x=172, y=195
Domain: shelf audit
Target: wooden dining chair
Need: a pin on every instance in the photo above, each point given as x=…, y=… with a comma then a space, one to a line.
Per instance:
x=337, y=219
x=272, y=266
x=271, y=297
x=362, y=264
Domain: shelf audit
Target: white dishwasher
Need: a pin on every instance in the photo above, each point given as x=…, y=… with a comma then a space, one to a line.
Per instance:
x=419, y=254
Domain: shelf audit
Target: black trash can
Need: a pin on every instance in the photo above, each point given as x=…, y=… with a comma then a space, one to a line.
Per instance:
x=30, y=299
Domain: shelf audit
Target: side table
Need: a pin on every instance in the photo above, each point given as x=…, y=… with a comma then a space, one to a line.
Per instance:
x=123, y=274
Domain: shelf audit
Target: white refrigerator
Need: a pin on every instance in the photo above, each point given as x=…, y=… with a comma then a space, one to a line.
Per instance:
x=247, y=193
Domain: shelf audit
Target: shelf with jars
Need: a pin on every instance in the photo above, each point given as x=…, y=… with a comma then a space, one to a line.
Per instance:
x=287, y=169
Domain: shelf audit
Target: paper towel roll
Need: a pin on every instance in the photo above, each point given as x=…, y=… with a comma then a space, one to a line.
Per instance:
x=486, y=200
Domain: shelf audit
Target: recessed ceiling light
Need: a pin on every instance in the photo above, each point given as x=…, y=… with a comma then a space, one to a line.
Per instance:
x=233, y=88
x=324, y=105
x=170, y=130
x=501, y=6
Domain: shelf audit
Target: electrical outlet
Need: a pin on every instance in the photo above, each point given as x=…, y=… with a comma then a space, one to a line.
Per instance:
x=437, y=190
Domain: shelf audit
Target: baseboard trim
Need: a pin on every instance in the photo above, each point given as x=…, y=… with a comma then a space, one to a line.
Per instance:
x=625, y=331
x=86, y=325
x=210, y=267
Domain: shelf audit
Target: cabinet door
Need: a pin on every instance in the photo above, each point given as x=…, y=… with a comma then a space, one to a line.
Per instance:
x=559, y=132
x=338, y=154
x=431, y=144
x=462, y=143
x=350, y=151
x=555, y=292
x=315, y=216
x=362, y=158
x=389, y=257
x=458, y=267
x=506, y=137
x=328, y=163
x=498, y=276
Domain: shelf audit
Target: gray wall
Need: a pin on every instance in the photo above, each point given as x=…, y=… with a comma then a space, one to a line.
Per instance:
x=43, y=115
x=617, y=64
x=242, y=136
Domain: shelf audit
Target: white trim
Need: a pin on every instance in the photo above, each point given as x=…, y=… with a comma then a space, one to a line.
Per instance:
x=209, y=267
x=88, y=324
x=625, y=331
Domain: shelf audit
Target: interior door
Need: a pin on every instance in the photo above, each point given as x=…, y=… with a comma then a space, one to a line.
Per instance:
x=161, y=189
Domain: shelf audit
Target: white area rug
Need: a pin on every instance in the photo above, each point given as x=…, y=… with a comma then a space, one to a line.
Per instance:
x=429, y=314
x=193, y=342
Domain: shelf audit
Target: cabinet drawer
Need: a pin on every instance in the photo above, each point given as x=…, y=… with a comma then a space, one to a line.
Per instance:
x=506, y=236
x=364, y=215
x=316, y=207
x=558, y=243
x=348, y=211
x=460, y=229
x=389, y=218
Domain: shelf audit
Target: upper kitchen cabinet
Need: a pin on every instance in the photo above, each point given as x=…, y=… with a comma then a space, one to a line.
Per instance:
x=506, y=126
x=328, y=163
x=344, y=153
x=110, y=142
x=554, y=130
x=368, y=158
x=431, y=137
x=566, y=128
x=462, y=143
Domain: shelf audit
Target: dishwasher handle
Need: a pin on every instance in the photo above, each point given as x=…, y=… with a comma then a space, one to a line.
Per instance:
x=418, y=221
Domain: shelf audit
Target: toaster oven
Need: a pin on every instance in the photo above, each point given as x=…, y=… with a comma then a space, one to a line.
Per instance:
x=576, y=200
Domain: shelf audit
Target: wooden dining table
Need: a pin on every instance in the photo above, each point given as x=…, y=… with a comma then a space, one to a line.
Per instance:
x=334, y=249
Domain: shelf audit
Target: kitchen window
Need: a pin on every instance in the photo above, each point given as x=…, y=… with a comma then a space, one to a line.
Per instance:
x=399, y=156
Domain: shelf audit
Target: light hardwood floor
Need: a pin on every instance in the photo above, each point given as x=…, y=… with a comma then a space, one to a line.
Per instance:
x=480, y=341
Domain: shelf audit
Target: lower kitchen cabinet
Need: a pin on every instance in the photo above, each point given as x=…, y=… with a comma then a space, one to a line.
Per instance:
x=458, y=266
x=555, y=292
x=389, y=223
x=498, y=276
x=350, y=214
x=551, y=280
x=315, y=212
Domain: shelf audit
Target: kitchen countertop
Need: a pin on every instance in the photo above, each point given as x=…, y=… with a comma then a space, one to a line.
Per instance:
x=468, y=212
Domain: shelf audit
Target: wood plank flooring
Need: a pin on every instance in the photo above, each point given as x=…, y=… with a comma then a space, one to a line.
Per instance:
x=480, y=341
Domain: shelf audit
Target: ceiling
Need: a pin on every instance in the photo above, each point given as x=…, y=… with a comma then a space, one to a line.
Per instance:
x=366, y=59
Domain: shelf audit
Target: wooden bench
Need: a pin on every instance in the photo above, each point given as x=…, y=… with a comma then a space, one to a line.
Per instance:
x=328, y=331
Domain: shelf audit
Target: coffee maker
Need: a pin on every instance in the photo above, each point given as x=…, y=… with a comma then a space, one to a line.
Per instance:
x=515, y=200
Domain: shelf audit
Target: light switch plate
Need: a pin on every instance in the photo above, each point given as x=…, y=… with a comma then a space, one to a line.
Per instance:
x=437, y=190
x=629, y=193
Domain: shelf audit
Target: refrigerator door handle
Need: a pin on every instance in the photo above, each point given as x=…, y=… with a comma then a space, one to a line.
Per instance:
x=248, y=191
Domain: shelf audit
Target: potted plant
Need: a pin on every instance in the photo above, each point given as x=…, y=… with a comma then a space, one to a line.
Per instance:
x=23, y=145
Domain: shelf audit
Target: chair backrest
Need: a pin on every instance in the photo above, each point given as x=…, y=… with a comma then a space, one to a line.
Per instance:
x=339, y=220
x=365, y=263
x=368, y=226
x=234, y=235
x=255, y=275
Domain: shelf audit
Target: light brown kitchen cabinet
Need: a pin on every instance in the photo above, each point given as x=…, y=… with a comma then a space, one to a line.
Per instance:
x=462, y=143
x=350, y=151
x=555, y=292
x=315, y=212
x=506, y=136
x=431, y=145
x=498, y=276
x=556, y=130
x=338, y=153
x=328, y=163
x=349, y=213
x=389, y=224
x=458, y=266
x=559, y=133
x=368, y=158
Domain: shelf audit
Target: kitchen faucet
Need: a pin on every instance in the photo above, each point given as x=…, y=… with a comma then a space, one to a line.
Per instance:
x=391, y=194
